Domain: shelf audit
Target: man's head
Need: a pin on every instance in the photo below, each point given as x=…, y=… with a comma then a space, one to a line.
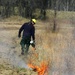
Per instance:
x=33, y=21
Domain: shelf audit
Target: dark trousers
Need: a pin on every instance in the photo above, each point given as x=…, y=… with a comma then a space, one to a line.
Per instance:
x=25, y=43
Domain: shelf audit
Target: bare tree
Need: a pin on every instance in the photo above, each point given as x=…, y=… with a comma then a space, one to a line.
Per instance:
x=55, y=13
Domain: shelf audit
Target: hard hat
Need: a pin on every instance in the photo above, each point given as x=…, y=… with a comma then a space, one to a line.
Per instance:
x=34, y=20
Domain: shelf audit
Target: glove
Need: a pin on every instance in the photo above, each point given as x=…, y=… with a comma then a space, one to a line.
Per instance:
x=33, y=44
x=19, y=35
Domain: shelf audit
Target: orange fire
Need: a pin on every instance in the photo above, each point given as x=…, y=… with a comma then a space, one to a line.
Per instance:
x=41, y=70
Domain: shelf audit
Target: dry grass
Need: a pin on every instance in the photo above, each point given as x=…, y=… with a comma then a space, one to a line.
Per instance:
x=55, y=48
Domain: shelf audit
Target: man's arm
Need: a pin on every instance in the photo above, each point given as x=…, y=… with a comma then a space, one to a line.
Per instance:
x=33, y=33
x=20, y=30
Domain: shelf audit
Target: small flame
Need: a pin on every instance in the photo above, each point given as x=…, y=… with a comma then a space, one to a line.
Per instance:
x=41, y=70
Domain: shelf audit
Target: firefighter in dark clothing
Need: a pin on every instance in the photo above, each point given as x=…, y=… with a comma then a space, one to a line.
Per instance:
x=28, y=33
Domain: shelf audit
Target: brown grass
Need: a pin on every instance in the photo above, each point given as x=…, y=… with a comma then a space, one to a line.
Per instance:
x=56, y=48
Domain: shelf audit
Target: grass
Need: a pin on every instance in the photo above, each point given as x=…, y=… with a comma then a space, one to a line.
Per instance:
x=4, y=70
x=65, y=14
x=50, y=46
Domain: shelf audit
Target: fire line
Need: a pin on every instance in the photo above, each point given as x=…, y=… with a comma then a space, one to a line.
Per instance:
x=41, y=70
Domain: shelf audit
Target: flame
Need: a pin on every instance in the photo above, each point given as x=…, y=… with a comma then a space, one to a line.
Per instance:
x=41, y=70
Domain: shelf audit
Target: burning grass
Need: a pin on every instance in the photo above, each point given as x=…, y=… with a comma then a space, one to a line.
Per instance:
x=41, y=70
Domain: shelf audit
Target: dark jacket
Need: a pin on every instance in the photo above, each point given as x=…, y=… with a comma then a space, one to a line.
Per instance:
x=28, y=30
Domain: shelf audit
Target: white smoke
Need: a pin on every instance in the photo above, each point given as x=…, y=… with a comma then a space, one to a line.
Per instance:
x=14, y=60
x=12, y=57
x=7, y=53
x=17, y=61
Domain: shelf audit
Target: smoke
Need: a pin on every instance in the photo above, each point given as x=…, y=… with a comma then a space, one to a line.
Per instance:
x=14, y=60
x=17, y=61
x=11, y=57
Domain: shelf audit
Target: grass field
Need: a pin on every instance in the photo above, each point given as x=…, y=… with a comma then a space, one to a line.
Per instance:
x=56, y=49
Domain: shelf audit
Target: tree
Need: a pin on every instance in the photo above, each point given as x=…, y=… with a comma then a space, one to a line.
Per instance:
x=26, y=8
x=55, y=13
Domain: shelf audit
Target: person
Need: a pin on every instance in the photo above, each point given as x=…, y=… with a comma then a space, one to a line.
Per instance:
x=28, y=35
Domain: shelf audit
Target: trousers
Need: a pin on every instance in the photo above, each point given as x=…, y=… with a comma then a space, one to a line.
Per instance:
x=25, y=43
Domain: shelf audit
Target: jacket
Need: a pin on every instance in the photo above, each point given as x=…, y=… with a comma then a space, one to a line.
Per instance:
x=28, y=30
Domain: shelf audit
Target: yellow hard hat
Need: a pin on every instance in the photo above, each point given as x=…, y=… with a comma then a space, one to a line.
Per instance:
x=34, y=20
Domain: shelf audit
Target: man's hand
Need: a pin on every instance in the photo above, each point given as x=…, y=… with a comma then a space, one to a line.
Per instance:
x=33, y=44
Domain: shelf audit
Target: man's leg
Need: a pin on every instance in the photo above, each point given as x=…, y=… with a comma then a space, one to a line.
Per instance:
x=27, y=44
x=22, y=43
x=27, y=48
